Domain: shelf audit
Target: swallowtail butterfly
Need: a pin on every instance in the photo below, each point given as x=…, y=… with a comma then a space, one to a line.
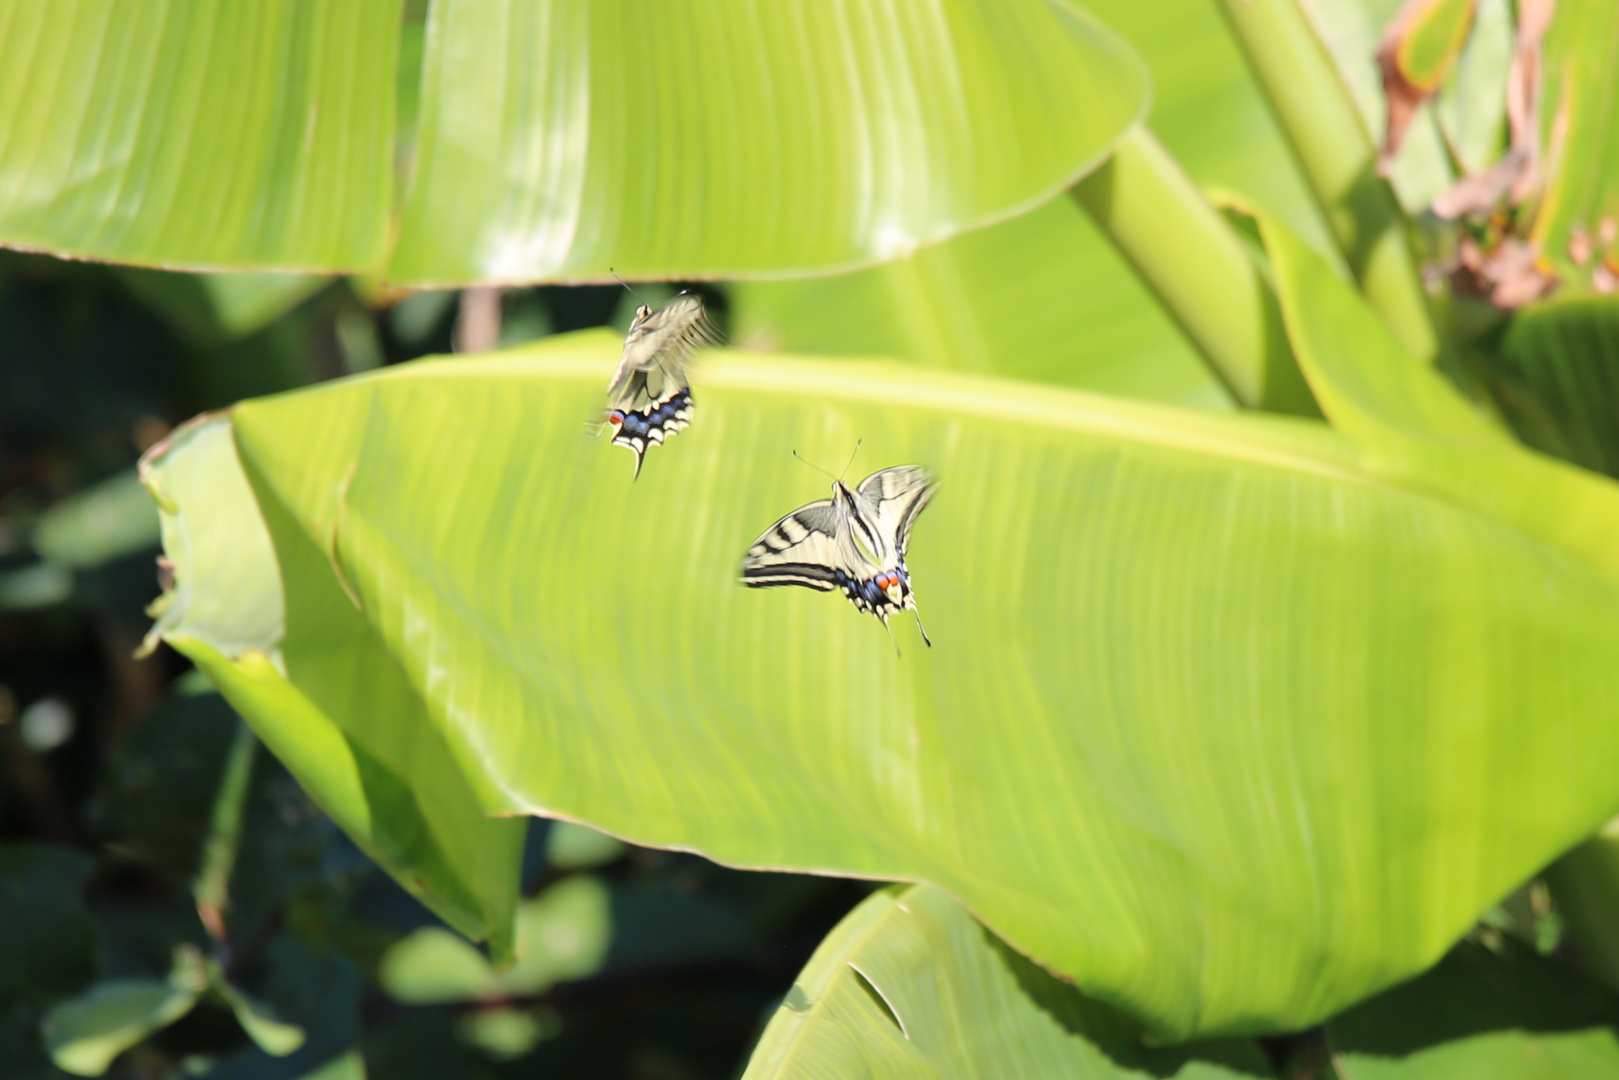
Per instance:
x=854, y=541
x=648, y=399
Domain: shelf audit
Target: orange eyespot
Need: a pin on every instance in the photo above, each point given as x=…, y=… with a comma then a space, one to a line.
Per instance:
x=615, y=418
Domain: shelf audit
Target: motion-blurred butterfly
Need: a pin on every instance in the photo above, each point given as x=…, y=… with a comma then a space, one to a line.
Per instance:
x=854, y=541
x=648, y=399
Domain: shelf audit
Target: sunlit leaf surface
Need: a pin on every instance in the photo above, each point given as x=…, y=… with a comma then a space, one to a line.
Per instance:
x=1044, y=296
x=909, y=985
x=209, y=134
x=1216, y=723
x=552, y=139
x=351, y=730
x=709, y=138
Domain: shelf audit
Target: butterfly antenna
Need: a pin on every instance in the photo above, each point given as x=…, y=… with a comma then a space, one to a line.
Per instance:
x=624, y=283
x=846, y=464
x=812, y=464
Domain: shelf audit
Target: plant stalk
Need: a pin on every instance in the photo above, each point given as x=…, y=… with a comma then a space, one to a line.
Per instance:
x=212, y=884
x=1200, y=270
x=1332, y=146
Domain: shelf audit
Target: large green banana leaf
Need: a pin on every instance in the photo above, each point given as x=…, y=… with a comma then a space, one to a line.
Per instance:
x=206, y=135
x=346, y=724
x=556, y=138
x=909, y=986
x=1044, y=296
x=1219, y=723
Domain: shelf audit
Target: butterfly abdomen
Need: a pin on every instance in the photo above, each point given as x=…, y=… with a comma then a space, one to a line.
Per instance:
x=871, y=595
x=638, y=430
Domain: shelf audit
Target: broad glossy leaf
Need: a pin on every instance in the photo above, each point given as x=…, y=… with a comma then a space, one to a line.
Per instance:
x=332, y=706
x=202, y=135
x=1216, y=723
x=715, y=138
x=555, y=139
x=1044, y=296
x=910, y=985
x=1483, y=1013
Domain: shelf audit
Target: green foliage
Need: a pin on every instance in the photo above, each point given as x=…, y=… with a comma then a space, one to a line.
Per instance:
x=1064, y=608
x=1487, y=1012
x=207, y=136
x=47, y=949
x=562, y=934
x=87, y=1032
x=555, y=140
x=910, y=985
x=1233, y=720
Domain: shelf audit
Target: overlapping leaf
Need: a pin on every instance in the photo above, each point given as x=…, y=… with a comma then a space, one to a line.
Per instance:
x=288, y=649
x=908, y=985
x=555, y=140
x=1044, y=296
x=1217, y=723
x=1484, y=1013
x=203, y=135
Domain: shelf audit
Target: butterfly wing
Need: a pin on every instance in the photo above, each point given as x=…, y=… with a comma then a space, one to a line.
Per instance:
x=800, y=549
x=892, y=499
x=648, y=399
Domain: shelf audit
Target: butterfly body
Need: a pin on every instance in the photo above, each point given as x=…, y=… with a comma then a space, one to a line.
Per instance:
x=854, y=543
x=648, y=400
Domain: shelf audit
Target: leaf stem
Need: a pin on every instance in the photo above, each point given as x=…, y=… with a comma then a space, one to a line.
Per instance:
x=1200, y=270
x=224, y=834
x=1313, y=107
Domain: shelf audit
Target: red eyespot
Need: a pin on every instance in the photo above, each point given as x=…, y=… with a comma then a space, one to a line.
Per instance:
x=615, y=417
